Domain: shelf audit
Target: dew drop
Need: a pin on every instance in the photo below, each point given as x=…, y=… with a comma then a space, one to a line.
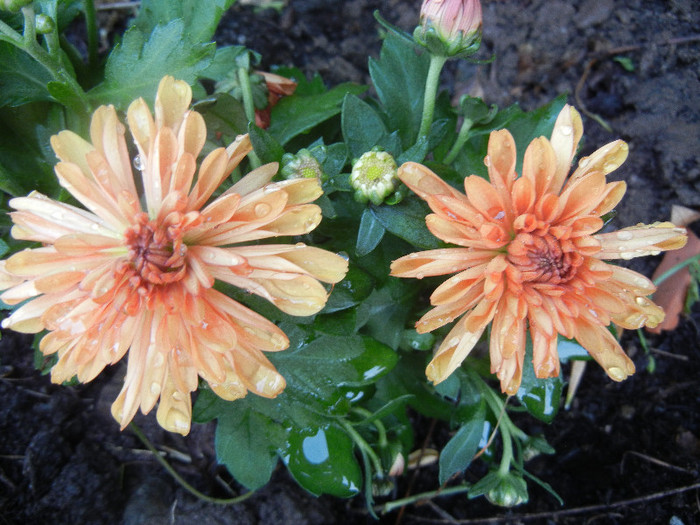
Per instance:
x=487, y=161
x=299, y=245
x=204, y=325
x=178, y=396
x=420, y=275
x=625, y=235
x=159, y=360
x=566, y=130
x=155, y=388
x=57, y=215
x=609, y=166
x=278, y=341
x=641, y=301
x=499, y=215
x=585, y=161
x=616, y=373
x=453, y=269
x=453, y=342
x=261, y=209
x=139, y=164
x=654, y=252
x=627, y=255
x=94, y=226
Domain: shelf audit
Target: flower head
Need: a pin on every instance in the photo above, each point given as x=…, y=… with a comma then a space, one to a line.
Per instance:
x=277, y=88
x=450, y=27
x=135, y=271
x=373, y=177
x=530, y=257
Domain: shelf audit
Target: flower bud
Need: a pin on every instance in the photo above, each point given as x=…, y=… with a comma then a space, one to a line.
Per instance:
x=44, y=24
x=374, y=177
x=450, y=28
x=13, y=5
x=510, y=491
x=303, y=165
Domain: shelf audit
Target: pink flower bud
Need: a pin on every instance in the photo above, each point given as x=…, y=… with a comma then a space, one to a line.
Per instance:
x=450, y=27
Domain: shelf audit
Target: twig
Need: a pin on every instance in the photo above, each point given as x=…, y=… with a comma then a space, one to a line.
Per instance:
x=568, y=512
x=654, y=461
x=680, y=357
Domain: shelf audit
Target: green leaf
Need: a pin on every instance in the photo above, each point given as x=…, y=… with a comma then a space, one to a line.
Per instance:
x=202, y=17
x=22, y=79
x=264, y=144
x=363, y=128
x=136, y=65
x=460, y=450
x=406, y=220
x=63, y=94
x=400, y=65
x=297, y=114
x=26, y=158
x=370, y=233
x=322, y=461
x=246, y=446
x=225, y=115
x=349, y=292
x=540, y=397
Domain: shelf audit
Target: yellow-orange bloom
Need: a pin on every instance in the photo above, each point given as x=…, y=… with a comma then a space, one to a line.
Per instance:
x=136, y=272
x=529, y=256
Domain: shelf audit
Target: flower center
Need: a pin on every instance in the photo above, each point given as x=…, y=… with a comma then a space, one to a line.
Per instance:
x=540, y=258
x=156, y=251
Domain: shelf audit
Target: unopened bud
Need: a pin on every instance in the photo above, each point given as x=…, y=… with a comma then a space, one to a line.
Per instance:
x=374, y=177
x=450, y=28
x=510, y=491
x=303, y=165
x=44, y=24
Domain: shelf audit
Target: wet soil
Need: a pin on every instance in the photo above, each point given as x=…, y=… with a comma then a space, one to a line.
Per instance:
x=626, y=453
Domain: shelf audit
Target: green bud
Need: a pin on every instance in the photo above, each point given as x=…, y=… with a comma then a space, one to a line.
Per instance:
x=303, y=165
x=374, y=177
x=44, y=24
x=13, y=5
x=511, y=490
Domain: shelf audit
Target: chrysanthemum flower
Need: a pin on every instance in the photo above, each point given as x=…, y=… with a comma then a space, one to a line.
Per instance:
x=530, y=257
x=135, y=273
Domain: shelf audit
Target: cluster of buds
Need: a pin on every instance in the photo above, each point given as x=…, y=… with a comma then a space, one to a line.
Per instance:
x=450, y=28
x=374, y=177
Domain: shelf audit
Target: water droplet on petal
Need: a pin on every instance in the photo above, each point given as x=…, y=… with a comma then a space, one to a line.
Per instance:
x=453, y=342
x=155, y=388
x=261, y=209
x=624, y=235
x=585, y=161
x=204, y=325
x=627, y=255
x=616, y=373
x=566, y=130
x=420, y=275
x=139, y=164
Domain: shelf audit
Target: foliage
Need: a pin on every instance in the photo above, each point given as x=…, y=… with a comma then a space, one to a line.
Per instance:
x=355, y=371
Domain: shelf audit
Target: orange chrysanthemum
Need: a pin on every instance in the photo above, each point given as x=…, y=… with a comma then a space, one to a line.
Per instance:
x=136, y=272
x=530, y=257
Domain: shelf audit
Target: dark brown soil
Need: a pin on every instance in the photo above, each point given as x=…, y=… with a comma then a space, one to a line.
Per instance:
x=626, y=453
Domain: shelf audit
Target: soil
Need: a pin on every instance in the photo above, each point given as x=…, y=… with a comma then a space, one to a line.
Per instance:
x=626, y=453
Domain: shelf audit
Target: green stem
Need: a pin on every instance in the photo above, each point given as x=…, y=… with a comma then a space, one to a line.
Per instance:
x=459, y=143
x=506, y=425
x=381, y=429
x=668, y=273
x=91, y=28
x=10, y=35
x=360, y=442
x=388, y=507
x=249, y=107
x=29, y=27
x=431, y=87
x=189, y=488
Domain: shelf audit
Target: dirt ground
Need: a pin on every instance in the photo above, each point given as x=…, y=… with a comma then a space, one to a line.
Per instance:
x=626, y=453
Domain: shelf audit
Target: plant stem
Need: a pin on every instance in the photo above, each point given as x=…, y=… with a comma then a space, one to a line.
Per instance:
x=668, y=273
x=91, y=28
x=189, y=488
x=388, y=507
x=360, y=442
x=10, y=35
x=249, y=106
x=459, y=143
x=431, y=86
x=506, y=425
x=381, y=429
